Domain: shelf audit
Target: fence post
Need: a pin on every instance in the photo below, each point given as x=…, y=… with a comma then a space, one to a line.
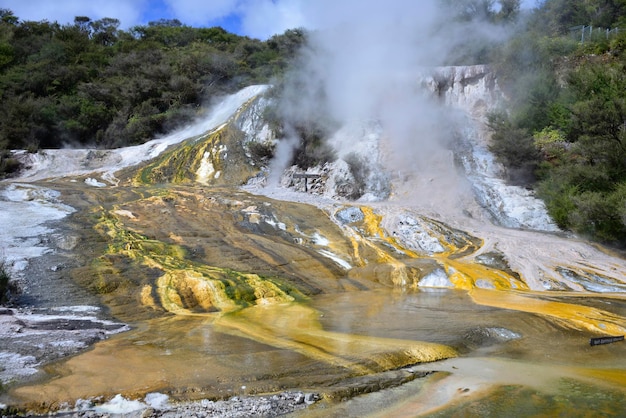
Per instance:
x=582, y=36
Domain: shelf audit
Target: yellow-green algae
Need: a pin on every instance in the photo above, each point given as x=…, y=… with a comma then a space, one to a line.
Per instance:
x=182, y=163
x=222, y=149
x=185, y=286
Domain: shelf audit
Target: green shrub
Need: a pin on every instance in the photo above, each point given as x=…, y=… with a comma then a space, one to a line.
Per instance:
x=5, y=284
x=8, y=164
x=514, y=148
x=551, y=143
x=596, y=216
x=558, y=197
x=583, y=200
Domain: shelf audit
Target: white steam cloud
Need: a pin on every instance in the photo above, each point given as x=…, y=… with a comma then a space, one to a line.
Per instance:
x=364, y=62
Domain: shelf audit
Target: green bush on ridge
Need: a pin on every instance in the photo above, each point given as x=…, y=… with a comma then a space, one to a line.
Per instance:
x=568, y=102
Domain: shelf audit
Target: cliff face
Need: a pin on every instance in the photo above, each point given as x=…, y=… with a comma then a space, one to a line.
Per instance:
x=474, y=90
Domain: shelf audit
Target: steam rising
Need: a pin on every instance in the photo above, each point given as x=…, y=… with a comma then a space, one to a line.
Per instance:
x=363, y=62
x=282, y=156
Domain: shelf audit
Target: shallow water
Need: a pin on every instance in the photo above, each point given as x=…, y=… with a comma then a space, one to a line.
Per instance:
x=196, y=357
x=547, y=371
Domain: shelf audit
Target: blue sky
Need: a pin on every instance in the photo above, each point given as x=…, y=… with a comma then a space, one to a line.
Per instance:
x=160, y=9
x=255, y=18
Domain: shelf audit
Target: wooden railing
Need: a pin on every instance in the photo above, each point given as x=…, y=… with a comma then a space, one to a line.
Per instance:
x=306, y=176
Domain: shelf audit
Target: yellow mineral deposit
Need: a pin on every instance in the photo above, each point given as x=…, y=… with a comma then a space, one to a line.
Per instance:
x=462, y=272
x=467, y=275
x=296, y=327
x=578, y=317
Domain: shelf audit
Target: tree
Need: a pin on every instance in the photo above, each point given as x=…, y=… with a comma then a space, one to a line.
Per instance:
x=7, y=16
x=83, y=24
x=558, y=16
x=514, y=148
x=482, y=10
x=91, y=83
x=105, y=31
x=468, y=10
x=7, y=27
x=509, y=10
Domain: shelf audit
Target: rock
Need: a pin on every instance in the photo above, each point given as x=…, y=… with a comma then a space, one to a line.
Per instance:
x=349, y=215
x=311, y=398
x=487, y=336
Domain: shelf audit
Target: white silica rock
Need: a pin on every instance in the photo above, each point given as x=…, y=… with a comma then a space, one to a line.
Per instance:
x=438, y=278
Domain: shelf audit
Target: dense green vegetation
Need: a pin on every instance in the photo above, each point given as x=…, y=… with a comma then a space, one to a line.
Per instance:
x=90, y=83
x=564, y=129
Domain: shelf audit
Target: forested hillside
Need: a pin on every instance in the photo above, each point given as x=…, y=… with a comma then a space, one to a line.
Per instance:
x=563, y=131
x=91, y=84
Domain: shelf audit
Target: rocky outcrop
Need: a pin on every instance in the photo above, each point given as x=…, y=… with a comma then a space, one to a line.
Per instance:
x=473, y=88
x=475, y=91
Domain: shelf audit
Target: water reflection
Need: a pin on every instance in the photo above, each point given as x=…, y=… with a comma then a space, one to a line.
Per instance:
x=548, y=371
x=215, y=356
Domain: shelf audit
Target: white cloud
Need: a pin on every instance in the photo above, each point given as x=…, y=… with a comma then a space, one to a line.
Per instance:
x=258, y=18
x=264, y=18
x=199, y=12
x=63, y=11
